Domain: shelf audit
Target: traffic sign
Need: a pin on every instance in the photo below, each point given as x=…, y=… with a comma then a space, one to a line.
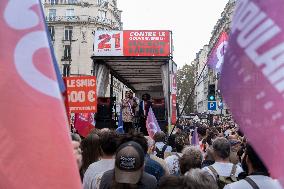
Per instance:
x=212, y=105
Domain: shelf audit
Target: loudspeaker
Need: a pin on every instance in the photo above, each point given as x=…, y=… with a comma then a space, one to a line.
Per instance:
x=105, y=123
x=104, y=108
x=163, y=125
x=159, y=108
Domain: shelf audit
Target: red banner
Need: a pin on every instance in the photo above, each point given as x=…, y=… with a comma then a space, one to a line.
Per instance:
x=84, y=123
x=132, y=43
x=174, y=94
x=81, y=92
x=146, y=43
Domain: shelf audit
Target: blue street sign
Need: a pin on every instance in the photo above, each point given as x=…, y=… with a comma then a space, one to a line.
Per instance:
x=212, y=105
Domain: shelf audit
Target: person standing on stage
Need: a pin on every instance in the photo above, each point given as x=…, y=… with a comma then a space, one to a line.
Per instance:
x=128, y=106
x=144, y=107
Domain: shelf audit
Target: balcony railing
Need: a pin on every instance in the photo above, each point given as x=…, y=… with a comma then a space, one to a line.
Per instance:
x=97, y=20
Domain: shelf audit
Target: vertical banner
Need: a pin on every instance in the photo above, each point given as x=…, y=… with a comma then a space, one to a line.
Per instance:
x=216, y=58
x=174, y=93
x=36, y=148
x=252, y=79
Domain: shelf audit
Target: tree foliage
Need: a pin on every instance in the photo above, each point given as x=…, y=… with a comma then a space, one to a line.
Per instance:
x=185, y=85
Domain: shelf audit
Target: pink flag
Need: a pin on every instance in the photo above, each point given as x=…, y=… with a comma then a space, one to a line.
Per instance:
x=36, y=150
x=152, y=123
x=84, y=123
x=252, y=78
x=195, y=139
x=216, y=57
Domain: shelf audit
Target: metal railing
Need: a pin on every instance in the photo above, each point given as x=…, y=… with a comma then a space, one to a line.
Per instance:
x=96, y=20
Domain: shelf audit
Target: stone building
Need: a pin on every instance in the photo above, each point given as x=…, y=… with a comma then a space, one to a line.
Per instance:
x=71, y=24
x=209, y=76
x=201, y=89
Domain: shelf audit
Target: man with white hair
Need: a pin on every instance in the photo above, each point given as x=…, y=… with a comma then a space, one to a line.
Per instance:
x=197, y=178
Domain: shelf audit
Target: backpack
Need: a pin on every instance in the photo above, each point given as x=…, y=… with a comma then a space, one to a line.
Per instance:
x=222, y=180
x=160, y=153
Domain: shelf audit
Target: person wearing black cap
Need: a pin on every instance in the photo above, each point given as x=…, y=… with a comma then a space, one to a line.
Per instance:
x=129, y=170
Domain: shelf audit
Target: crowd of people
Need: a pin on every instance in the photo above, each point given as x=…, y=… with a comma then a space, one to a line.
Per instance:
x=220, y=158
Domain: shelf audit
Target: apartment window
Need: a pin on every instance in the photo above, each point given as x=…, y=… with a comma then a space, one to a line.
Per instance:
x=70, y=13
x=67, y=52
x=52, y=13
x=53, y=2
x=66, y=70
x=71, y=1
x=51, y=32
x=100, y=2
x=68, y=33
x=102, y=14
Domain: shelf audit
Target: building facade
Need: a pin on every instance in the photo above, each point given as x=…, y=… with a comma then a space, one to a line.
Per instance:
x=201, y=88
x=209, y=76
x=72, y=23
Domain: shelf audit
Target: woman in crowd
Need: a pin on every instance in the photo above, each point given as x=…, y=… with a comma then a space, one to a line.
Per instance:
x=90, y=151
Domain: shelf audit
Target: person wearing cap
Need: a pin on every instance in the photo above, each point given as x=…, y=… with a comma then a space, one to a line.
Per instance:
x=129, y=170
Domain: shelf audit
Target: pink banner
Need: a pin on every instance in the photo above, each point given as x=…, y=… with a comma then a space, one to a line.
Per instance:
x=216, y=57
x=152, y=123
x=36, y=150
x=252, y=78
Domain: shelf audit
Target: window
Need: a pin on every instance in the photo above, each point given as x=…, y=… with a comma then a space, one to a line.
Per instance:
x=66, y=70
x=102, y=14
x=71, y=1
x=68, y=33
x=53, y=2
x=67, y=52
x=52, y=13
x=51, y=32
x=100, y=2
x=70, y=13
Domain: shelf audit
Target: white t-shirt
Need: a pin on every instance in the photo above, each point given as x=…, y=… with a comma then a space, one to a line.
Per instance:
x=95, y=171
x=224, y=169
x=173, y=164
x=263, y=182
x=160, y=146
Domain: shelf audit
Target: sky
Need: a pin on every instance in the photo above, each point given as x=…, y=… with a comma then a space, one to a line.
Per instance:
x=191, y=22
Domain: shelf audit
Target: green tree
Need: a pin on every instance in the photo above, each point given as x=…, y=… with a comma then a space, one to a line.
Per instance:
x=185, y=85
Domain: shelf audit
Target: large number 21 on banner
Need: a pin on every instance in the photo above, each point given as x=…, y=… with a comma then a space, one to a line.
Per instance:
x=252, y=79
x=109, y=43
x=36, y=151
